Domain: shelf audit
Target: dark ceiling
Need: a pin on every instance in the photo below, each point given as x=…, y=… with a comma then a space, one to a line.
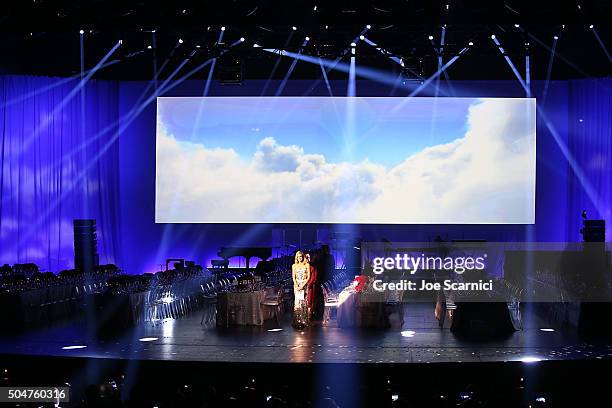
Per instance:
x=42, y=37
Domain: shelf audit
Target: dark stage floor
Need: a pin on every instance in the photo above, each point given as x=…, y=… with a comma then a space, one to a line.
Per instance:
x=419, y=341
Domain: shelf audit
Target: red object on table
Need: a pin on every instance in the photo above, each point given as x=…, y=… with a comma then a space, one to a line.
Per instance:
x=362, y=281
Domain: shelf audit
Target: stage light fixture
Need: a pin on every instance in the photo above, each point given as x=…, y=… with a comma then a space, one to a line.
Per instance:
x=73, y=347
x=555, y=37
x=430, y=37
x=471, y=43
x=180, y=41
x=314, y=8
x=294, y=28
x=307, y=38
x=517, y=25
x=326, y=27
x=547, y=330
x=256, y=45
x=149, y=47
x=222, y=28
x=368, y=26
x=362, y=37
x=241, y=39
x=492, y=36
x=120, y=42
x=591, y=26
x=81, y=32
x=148, y=339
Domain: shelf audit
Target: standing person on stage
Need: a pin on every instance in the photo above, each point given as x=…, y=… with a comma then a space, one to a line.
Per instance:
x=300, y=272
x=312, y=292
x=325, y=265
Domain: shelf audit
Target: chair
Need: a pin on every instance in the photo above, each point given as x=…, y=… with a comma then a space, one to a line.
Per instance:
x=275, y=301
x=209, y=297
x=331, y=304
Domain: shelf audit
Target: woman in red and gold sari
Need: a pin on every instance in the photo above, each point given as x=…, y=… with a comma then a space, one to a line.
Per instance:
x=312, y=290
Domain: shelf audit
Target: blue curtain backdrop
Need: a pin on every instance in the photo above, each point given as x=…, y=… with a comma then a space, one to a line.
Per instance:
x=590, y=141
x=52, y=171
x=49, y=172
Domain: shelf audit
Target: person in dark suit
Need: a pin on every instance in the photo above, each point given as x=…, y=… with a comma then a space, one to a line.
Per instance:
x=324, y=264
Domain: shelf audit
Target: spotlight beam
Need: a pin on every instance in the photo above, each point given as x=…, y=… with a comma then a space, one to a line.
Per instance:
x=220, y=38
x=338, y=59
x=440, y=59
x=154, y=44
x=154, y=82
x=438, y=73
x=67, y=99
x=209, y=77
x=392, y=57
x=327, y=70
x=441, y=49
x=368, y=73
x=356, y=39
x=574, y=165
x=172, y=75
x=283, y=83
x=510, y=64
x=560, y=56
x=324, y=73
x=276, y=64
x=601, y=44
x=351, y=90
x=528, y=75
x=428, y=81
x=549, y=69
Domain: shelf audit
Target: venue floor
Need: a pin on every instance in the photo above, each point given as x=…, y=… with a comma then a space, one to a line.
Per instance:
x=419, y=341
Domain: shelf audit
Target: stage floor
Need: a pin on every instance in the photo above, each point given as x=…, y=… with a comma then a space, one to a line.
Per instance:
x=419, y=341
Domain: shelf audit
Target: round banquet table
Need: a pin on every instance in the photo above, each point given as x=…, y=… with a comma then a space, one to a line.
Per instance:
x=240, y=308
x=365, y=309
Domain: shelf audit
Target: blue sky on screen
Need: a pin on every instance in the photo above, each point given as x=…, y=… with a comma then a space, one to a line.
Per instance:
x=386, y=130
x=345, y=160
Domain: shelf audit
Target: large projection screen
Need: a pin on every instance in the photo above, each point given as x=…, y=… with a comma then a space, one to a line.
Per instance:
x=355, y=160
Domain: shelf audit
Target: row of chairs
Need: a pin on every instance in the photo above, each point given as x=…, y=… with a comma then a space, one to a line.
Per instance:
x=48, y=305
x=173, y=301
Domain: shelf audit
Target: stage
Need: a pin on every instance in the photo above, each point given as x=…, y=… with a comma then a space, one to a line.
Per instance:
x=419, y=341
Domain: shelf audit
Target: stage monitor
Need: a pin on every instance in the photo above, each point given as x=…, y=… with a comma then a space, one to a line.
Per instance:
x=362, y=160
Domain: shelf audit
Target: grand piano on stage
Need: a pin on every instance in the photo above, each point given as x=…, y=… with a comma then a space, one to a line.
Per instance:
x=226, y=253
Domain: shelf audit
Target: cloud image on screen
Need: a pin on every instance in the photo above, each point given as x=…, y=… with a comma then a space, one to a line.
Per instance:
x=345, y=160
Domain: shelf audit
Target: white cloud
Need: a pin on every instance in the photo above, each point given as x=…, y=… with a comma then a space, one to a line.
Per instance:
x=487, y=176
